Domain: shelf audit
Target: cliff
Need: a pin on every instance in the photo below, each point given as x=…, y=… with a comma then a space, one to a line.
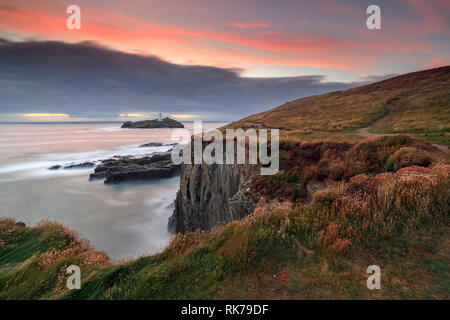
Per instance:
x=212, y=195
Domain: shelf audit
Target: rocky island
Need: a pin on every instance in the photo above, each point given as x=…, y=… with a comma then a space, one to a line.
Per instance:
x=153, y=124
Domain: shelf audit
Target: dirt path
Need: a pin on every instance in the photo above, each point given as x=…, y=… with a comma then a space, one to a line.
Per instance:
x=364, y=132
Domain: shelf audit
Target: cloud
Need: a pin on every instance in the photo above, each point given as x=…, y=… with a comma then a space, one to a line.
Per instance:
x=44, y=115
x=438, y=62
x=298, y=49
x=250, y=25
x=90, y=81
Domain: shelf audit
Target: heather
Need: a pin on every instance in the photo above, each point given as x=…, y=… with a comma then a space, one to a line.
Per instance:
x=305, y=165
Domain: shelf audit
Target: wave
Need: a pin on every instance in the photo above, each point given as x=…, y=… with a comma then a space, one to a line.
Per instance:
x=59, y=142
x=41, y=162
x=105, y=129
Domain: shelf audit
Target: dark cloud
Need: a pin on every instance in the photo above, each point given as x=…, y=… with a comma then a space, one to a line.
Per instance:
x=86, y=80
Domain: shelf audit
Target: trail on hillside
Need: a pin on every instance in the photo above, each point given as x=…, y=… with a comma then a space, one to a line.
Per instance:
x=364, y=132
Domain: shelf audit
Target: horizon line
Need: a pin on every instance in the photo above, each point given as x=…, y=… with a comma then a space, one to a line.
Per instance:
x=65, y=122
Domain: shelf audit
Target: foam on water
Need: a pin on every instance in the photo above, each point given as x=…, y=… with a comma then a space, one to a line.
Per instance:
x=46, y=160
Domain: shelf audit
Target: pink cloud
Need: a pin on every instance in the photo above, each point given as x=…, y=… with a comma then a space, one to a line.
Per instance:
x=433, y=12
x=131, y=34
x=438, y=62
x=233, y=48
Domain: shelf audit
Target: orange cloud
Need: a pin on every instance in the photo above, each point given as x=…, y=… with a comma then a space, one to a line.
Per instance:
x=192, y=46
x=175, y=43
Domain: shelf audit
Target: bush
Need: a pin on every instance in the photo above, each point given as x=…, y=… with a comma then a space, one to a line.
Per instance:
x=337, y=170
x=371, y=155
x=408, y=156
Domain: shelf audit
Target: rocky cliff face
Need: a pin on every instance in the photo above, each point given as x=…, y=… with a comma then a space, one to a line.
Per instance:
x=212, y=195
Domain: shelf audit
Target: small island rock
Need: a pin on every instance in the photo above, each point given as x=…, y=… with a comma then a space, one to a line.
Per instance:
x=153, y=124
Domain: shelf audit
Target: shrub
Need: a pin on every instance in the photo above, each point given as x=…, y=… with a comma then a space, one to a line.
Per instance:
x=328, y=196
x=311, y=172
x=408, y=156
x=337, y=170
x=371, y=155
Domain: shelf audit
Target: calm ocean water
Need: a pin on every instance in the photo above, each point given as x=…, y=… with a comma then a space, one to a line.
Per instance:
x=126, y=220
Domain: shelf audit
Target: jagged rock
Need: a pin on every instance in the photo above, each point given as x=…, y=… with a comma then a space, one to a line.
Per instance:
x=151, y=144
x=211, y=195
x=156, y=144
x=240, y=206
x=82, y=165
x=115, y=171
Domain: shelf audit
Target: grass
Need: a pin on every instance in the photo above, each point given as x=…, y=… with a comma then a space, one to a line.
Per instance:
x=397, y=219
x=417, y=103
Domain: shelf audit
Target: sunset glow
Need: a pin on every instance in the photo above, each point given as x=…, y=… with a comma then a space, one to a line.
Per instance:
x=45, y=115
x=131, y=115
x=256, y=43
x=182, y=115
x=196, y=59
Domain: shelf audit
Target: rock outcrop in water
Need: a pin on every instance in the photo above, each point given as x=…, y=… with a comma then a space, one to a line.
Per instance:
x=212, y=195
x=82, y=165
x=157, y=144
x=153, y=124
x=126, y=169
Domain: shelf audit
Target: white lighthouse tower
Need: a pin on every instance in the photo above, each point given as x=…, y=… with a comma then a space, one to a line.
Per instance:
x=160, y=117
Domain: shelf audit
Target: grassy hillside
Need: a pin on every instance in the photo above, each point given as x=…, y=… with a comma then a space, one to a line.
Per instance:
x=416, y=103
x=384, y=205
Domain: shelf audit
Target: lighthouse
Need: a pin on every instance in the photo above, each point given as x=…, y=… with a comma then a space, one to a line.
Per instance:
x=160, y=117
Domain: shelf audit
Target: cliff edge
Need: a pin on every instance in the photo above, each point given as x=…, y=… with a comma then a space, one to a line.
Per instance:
x=212, y=195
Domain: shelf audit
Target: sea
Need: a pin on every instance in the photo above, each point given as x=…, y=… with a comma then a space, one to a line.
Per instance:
x=124, y=220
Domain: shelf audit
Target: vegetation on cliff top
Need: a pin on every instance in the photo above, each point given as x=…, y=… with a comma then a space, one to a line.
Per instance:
x=306, y=167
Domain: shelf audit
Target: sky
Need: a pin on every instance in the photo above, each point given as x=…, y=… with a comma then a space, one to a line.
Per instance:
x=203, y=59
